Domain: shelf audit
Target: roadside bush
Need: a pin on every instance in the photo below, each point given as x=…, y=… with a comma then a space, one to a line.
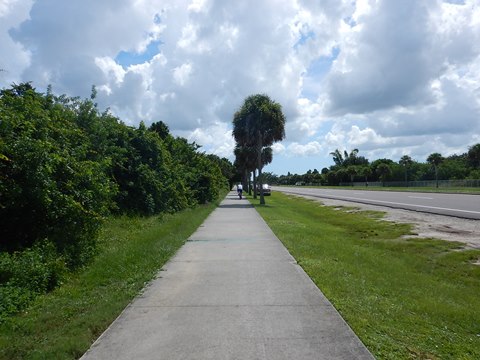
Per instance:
x=64, y=167
x=48, y=187
x=23, y=275
x=208, y=181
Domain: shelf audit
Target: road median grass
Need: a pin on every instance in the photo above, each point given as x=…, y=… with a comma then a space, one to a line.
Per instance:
x=404, y=297
x=63, y=324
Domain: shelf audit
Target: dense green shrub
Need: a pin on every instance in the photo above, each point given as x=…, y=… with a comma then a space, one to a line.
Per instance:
x=64, y=166
x=49, y=189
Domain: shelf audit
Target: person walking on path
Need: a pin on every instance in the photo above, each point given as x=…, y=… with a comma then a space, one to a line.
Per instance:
x=240, y=190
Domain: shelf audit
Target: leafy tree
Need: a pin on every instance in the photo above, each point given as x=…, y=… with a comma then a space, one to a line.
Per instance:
x=258, y=124
x=161, y=129
x=226, y=167
x=270, y=178
x=435, y=159
x=377, y=162
x=474, y=156
x=454, y=167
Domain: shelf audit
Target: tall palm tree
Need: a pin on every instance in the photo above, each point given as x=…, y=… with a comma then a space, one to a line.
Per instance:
x=245, y=164
x=258, y=124
x=435, y=159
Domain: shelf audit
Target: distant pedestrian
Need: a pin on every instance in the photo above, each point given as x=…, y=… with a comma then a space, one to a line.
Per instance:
x=240, y=190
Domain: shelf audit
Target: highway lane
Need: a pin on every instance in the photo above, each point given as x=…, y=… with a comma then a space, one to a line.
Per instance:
x=459, y=205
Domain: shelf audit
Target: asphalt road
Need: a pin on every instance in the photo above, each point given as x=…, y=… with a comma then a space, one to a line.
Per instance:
x=458, y=205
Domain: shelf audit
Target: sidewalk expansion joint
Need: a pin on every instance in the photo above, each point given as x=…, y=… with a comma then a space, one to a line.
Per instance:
x=230, y=306
x=234, y=261
x=224, y=240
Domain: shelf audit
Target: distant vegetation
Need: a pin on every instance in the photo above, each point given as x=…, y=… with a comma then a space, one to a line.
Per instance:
x=350, y=167
x=65, y=166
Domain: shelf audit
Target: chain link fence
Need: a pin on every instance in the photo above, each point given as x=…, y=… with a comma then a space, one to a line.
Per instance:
x=426, y=183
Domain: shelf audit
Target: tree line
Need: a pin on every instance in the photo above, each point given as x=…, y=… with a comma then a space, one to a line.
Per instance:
x=350, y=167
x=65, y=166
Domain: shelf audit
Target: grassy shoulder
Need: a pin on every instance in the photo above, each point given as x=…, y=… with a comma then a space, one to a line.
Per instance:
x=405, y=298
x=64, y=323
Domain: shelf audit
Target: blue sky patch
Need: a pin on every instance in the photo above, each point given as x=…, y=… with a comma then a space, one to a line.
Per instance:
x=303, y=39
x=316, y=72
x=126, y=58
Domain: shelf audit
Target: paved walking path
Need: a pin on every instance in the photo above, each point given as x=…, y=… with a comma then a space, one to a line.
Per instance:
x=232, y=292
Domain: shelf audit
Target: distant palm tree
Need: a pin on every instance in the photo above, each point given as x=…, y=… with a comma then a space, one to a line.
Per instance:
x=406, y=161
x=435, y=159
x=345, y=158
x=352, y=171
x=351, y=159
x=337, y=157
x=383, y=170
x=341, y=174
x=366, y=171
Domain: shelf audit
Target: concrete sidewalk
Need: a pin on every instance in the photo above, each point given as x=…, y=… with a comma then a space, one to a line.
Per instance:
x=232, y=292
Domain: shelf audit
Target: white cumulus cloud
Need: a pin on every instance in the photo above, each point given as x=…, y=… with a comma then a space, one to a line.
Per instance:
x=309, y=149
x=384, y=76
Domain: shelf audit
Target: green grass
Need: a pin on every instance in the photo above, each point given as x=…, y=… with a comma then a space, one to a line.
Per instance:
x=405, y=298
x=64, y=323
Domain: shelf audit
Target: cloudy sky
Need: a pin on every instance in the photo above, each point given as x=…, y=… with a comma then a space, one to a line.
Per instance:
x=388, y=77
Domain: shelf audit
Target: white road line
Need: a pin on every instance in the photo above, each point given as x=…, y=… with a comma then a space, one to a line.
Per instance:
x=413, y=205
x=420, y=197
x=371, y=201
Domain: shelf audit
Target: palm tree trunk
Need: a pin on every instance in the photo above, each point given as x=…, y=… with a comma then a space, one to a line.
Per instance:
x=262, y=197
x=245, y=179
x=260, y=165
